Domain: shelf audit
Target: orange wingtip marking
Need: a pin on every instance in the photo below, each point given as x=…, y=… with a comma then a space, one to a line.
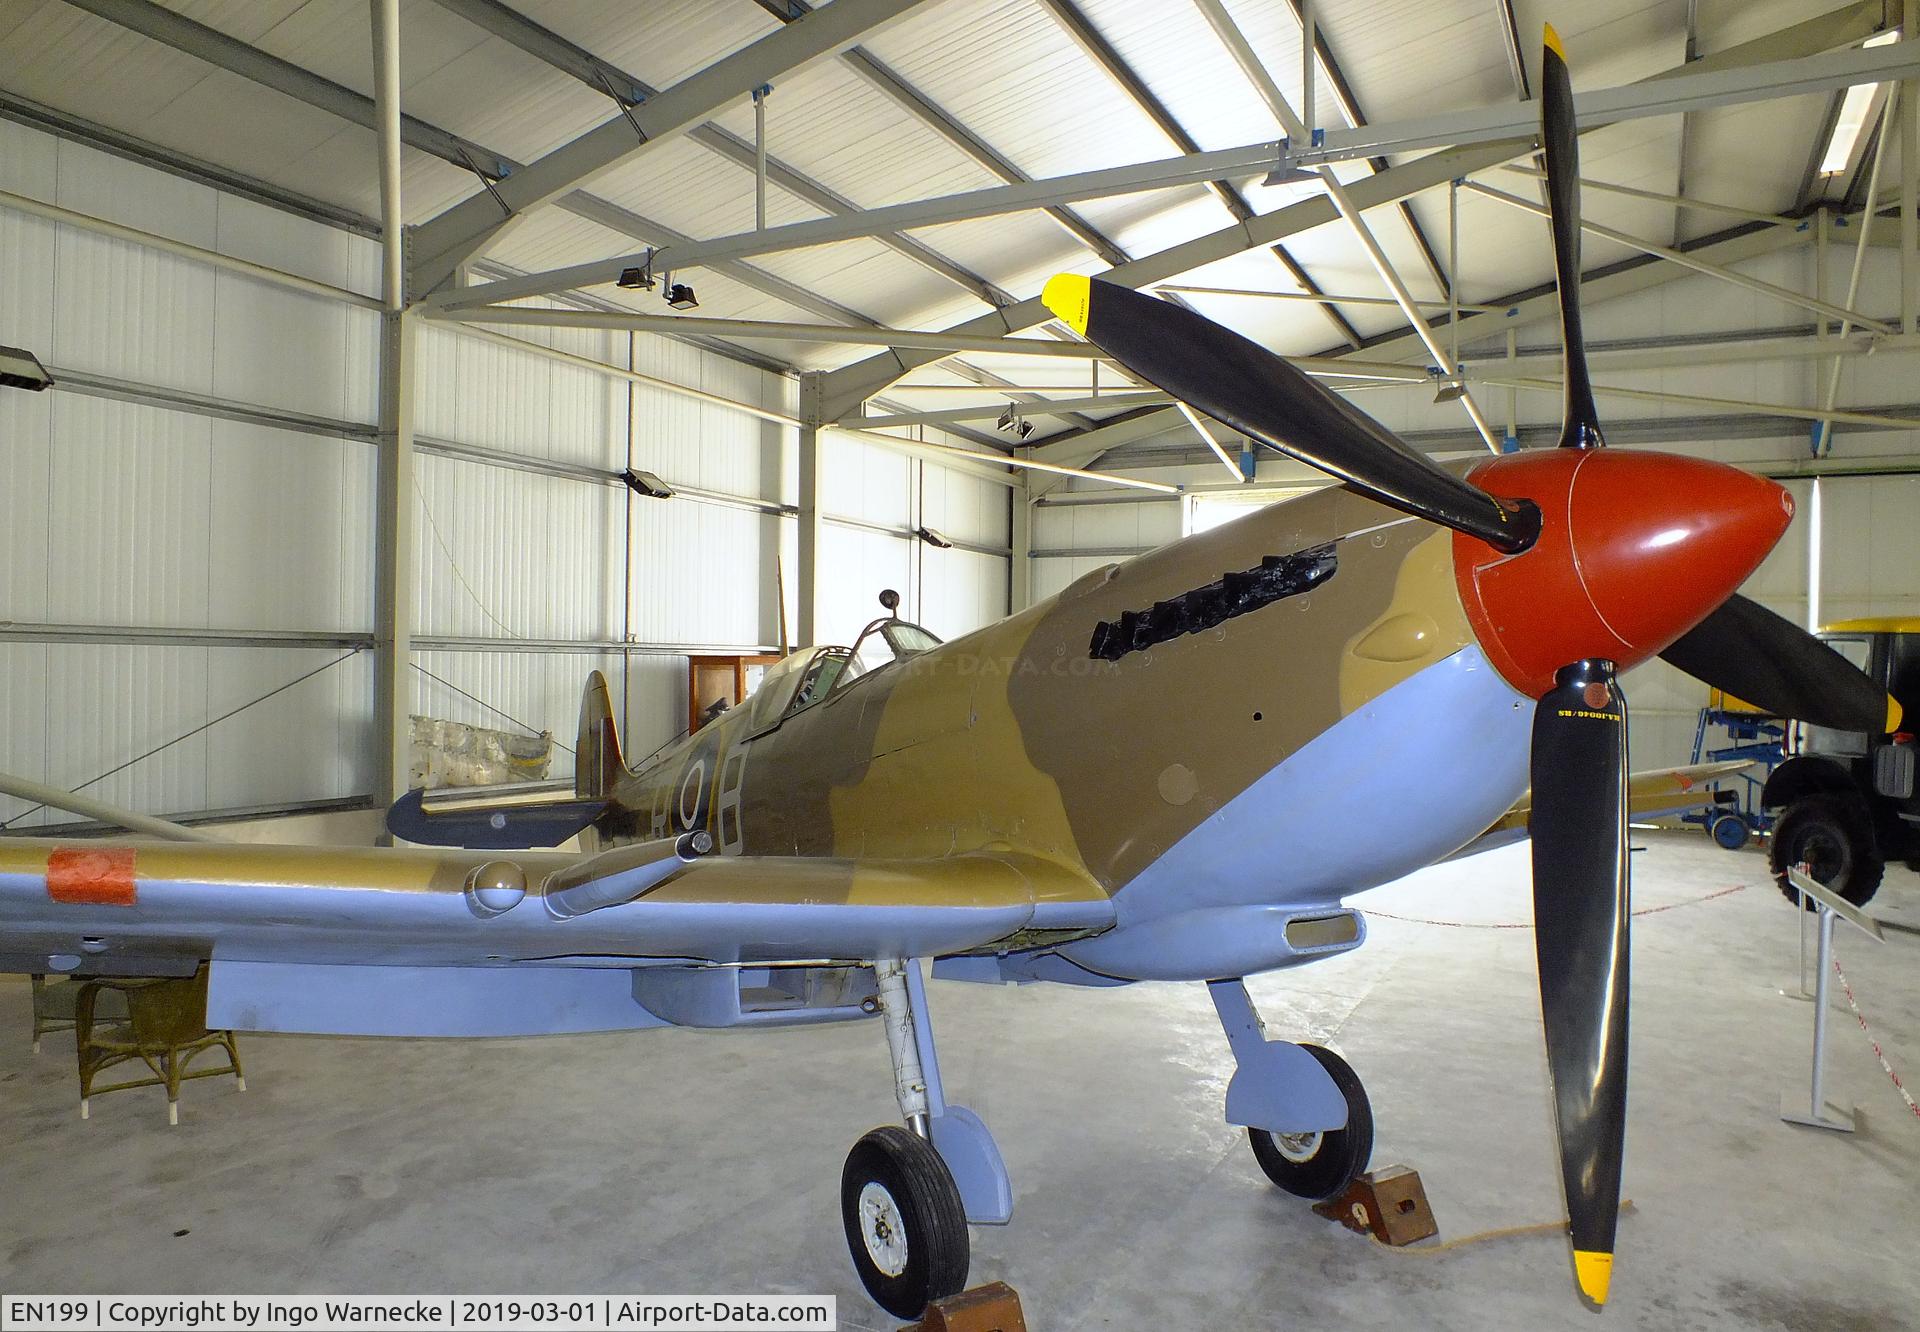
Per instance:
x=91, y=876
x=1553, y=42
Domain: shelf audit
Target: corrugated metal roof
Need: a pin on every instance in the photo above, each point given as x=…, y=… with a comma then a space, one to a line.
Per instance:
x=1011, y=73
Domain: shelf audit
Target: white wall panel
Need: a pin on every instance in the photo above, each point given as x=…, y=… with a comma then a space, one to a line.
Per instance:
x=1870, y=547
x=26, y=449
x=123, y=310
x=866, y=482
x=312, y=741
x=855, y=565
x=128, y=514
x=291, y=540
x=539, y=691
x=108, y=704
x=655, y=708
x=515, y=553
x=703, y=574
x=25, y=722
x=282, y=348
x=27, y=246
x=963, y=507
x=479, y=392
x=961, y=590
x=1052, y=574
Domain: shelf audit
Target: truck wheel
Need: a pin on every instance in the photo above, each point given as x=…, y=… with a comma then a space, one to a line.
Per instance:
x=1833, y=836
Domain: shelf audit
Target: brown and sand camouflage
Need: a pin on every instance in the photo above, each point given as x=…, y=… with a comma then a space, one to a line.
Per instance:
x=1015, y=740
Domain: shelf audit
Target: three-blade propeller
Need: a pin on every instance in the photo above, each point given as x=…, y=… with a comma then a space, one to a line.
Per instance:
x=1579, y=759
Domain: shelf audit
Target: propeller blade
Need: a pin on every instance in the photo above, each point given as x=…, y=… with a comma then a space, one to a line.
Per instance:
x=1579, y=826
x=1772, y=663
x=1559, y=138
x=1232, y=379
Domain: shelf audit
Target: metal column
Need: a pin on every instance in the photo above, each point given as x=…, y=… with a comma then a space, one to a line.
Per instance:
x=393, y=514
x=807, y=557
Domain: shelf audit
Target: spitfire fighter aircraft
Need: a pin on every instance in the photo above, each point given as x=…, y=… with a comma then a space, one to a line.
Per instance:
x=1152, y=776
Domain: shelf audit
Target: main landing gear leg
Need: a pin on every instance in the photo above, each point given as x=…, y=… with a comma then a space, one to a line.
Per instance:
x=1303, y=1107
x=907, y=1194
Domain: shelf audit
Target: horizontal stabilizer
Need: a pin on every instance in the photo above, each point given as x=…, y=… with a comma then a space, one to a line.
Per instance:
x=491, y=827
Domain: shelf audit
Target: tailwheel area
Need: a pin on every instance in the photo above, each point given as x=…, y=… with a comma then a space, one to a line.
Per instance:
x=906, y=1226
x=1320, y=1164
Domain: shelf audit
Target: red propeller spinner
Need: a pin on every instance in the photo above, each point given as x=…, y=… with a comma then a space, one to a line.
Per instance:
x=1634, y=550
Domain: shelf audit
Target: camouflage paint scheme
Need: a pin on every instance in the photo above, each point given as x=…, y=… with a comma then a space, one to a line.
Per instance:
x=1006, y=795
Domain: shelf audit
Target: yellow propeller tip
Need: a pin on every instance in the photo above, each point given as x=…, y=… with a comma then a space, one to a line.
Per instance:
x=1894, y=714
x=1593, y=1270
x=1068, y=295
x=1553, y=42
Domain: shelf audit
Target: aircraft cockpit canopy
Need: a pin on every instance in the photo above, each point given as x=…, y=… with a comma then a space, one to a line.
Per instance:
x=810, y=674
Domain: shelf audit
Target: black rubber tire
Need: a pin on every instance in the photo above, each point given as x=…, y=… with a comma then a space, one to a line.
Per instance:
x=931, y=1214
x=1343, y=1153
x=1728, y=831
x=1833, y=833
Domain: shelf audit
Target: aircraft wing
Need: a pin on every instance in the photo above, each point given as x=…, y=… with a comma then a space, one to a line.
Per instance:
x=1651, y=793
x=158, y=908
x=426, y=942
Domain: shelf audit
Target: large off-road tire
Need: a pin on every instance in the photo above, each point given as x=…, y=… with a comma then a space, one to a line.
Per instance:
x=906, y=1226
x=1831, y=833
x=1319, y=1165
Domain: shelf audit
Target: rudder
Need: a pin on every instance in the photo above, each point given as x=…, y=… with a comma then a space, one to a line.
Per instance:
x=598, y=764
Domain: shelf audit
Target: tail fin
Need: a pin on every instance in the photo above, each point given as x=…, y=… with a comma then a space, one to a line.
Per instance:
x=597, y=762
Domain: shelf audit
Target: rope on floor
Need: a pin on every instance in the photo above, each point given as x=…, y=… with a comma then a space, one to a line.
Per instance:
x=1505, y=1232
x=1527, y=924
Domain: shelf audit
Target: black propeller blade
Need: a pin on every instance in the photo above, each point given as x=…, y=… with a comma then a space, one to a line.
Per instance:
x=1580, y=419
x=1237, y=381
x=1580, y=900
x=1772, y=663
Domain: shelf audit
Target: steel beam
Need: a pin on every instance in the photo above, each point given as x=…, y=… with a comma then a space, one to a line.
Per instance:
x=394, y=546
x=1256, y=72
x=1686, y=259
x=212, y=258
x=1677, y=200
x=215, y=47
x=917, y=104
x=1696, y=89
x=763, y=328
x=543, y=44
x=852, y=384
x=116, y=143
x=1324, y=298
x=465, y=229
x=1045, y=407
x=1103, y=53
x=991, y=202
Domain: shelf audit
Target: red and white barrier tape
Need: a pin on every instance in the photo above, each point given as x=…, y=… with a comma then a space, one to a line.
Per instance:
x=1878, y=1053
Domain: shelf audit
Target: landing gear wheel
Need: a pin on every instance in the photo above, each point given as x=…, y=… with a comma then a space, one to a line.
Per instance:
x=906, y=1226
x=1319, y=1165
x=1729, y=831
x=1833, y=836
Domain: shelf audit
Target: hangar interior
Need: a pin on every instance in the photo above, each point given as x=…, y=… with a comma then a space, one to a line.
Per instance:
x=296, y=482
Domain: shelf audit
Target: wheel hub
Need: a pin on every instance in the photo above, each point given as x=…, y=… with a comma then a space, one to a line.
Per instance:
x=1298, y=1147
x=883, y=1229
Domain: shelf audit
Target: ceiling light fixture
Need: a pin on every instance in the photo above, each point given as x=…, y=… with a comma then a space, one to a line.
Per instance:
x=680, y=296
x=20, y=368
x=933, y=538
x=646, y=483
x=1851, y=123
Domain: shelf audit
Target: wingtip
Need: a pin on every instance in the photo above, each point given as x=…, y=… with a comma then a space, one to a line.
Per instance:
x=1552, y=39
x=1594, y=1271
x=1068, y=296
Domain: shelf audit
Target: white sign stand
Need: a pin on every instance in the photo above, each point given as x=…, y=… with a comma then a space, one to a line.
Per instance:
x=1818, y=1114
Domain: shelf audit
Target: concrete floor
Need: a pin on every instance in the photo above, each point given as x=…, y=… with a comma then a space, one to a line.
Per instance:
x=678, y=1162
